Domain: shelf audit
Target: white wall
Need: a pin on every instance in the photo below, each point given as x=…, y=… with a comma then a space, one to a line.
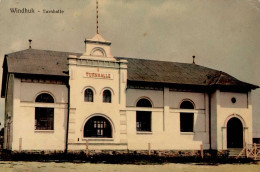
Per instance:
x=121, y=112
x=223, y=110
x=82, y=111
x=24, y=116
x=242, y=109
x=166, y=123
x=176, y=99
x=133, y=95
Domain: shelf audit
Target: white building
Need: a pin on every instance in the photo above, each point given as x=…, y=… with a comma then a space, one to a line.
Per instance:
x=58, y=100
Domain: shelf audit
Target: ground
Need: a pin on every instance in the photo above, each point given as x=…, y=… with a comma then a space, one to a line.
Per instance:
x=12, y=166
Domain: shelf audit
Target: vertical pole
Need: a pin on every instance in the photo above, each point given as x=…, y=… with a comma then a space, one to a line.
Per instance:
x=149, y=148
x=255, y=155
x=87, y=147
x=85, y=45
x=20, y=144
x=8, y=135
x=97, y=14
x=201, y=151
x=119, y=83
x=246, y=150
x=30, y=43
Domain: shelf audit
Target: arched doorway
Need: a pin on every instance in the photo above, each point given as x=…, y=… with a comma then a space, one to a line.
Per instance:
x=234, y=133
x=98, y=126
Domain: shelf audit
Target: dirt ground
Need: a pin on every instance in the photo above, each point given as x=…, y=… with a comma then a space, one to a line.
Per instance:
x=61, y=167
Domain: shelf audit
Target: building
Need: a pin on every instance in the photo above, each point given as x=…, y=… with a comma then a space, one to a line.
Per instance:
x=60, y=100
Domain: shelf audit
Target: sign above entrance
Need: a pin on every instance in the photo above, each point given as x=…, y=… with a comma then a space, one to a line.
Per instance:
x=98, y=75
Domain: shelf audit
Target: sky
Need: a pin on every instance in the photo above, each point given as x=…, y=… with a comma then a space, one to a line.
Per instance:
x=222, y=34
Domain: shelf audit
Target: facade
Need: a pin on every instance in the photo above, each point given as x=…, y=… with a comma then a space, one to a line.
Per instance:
x=60, y=101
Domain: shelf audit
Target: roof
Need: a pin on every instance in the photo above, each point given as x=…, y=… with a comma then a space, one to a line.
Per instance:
x=178, y=73
x=41, y=62
x=54, y=63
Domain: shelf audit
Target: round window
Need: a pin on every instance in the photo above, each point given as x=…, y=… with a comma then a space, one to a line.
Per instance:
x=233, y=100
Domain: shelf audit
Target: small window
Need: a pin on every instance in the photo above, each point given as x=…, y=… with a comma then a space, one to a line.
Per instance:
x=44, y=118
x=107, y=96
x=98, y=126
x=186, y=120
x=233, y=100
x=44, y=98
x=89, y=97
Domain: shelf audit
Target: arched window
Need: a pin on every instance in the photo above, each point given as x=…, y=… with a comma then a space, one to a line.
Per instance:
x=98, y=126
x=44, y=98
x=89, y=96
x=186, y=118
x=143, y=118
x=143, y=103
x=186, y=105
x=107, y=96
x=44, y=116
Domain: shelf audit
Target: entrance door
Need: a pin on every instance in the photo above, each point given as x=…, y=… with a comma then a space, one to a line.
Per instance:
x=234, y=133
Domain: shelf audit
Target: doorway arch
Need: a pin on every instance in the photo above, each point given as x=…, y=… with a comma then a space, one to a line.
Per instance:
x=97, y=127
x=235, y=133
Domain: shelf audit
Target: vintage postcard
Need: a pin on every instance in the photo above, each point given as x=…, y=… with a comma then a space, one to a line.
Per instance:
x=125, y=79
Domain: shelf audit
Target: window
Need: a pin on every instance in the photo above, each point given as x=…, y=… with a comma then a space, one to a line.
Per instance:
x=186, y=119
x=233, y=100
x=143, y=103
x=44, y=98
x=44, y=116
x=186, y=105
x=143, y=118
x=98, y=126
x=186, y=122
x=89, y=95
x=107, y=96
x=143, y=121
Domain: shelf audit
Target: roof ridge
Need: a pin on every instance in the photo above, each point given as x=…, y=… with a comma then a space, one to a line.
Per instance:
x=152, y=60
x=115, y=57
x=29, y=49
x=17, y=52
x=166, y=62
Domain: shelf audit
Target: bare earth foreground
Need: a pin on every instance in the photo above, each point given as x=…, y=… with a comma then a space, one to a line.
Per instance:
x=52, y=166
